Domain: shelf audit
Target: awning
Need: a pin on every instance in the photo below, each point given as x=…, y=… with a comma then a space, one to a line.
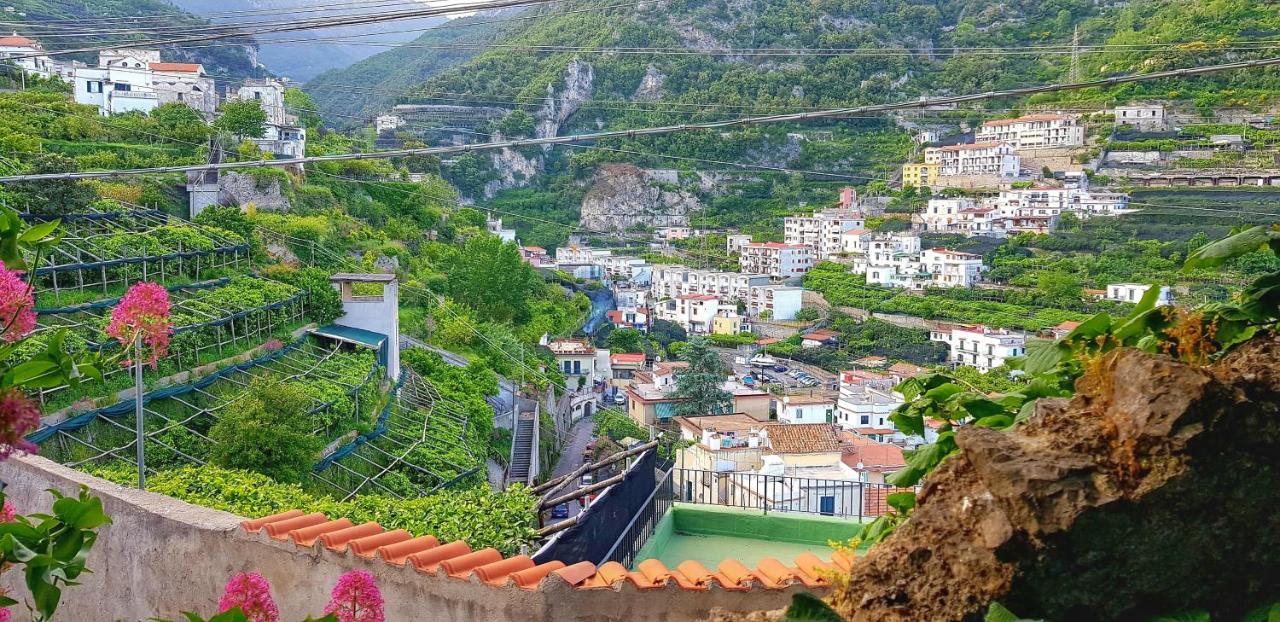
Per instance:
x=347, y=334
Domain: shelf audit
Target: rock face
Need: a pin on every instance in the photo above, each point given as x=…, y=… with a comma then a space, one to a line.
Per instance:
x=514, y=170
x=650, y=88
x=243, y=189
x=1154, y=490
x=579, y=78
x=623, y=195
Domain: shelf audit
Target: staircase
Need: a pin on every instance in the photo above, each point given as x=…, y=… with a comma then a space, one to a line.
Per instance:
x=523, y=445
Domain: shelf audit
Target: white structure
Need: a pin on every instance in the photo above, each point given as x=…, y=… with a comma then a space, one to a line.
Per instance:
x=865, y=402
x=387, y=122
x=572, y=253
x=184, y=83
x=754, y=290
x=949, y=268
x=282, y=141
x=1037, y=131
x=1053, y=200
x=494, y=226
x=985, y=158
x=979, y=346
x=116, y=89
x=961, y=216
x=27, y=54
x=1133, y=292
x=693, y=312
x=576, y=359
x=1144, y=117
x=777, y=260
x=622, y=266
x=128, y=58
x=806, y=409
x=377, y=314
x=735, y=242
x=823, y=231
x=269, y=94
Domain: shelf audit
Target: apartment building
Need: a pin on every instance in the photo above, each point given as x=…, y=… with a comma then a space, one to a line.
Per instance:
x=951, y=268
x=735, y=242
x=28, y=55
x=185, y=83
x=866, y=400
x=629, y=317
x=783, y=261
x=693, y=312
x=622, y=266
x=576, y=359
x=822, y=231
x=979, y=346
x=1133, y=292
x=726, y=322
x=1149, y=117
x=962, y=216
x=572, y=253
x=1054, y=199
x=983, y=158
x=920, y=175
x=1036, y=131
x=810, y=408
x=753, y=290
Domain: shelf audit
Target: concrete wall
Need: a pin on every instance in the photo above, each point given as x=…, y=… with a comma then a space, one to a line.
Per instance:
x=379, y=315
x=162, y=556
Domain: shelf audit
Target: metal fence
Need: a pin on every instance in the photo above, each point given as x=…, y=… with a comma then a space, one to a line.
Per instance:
x=775, y=493
x=643, y=524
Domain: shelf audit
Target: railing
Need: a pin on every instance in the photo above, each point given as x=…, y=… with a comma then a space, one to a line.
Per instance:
x=643, y=524
x=838, y=498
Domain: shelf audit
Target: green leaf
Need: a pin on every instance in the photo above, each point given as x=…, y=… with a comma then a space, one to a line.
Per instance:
x=1041, y=357
x=1217, y=253
x=942, y=392
x=999, y=613
x=908, y=420
x=1265, y=613
x=1088, y=330
x=30, y=370
x=39, y=232
x=806, y=607
x=903, y=502
x=998, y=422
x=983, y=407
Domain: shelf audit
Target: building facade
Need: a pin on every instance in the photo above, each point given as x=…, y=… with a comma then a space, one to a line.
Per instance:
x=755, y=291
x=920, y=175
x=985, y=158
x=783, y=261
x=1037, y=131
x=822, y=231
x=693, y=312
x=981, y=347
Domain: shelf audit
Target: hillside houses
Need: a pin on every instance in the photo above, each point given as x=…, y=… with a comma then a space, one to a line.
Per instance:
x=1035, y=209
x=897, y=260
x=995, y=159
x=822, y=231
x=1036, y=131
x=979, y=346
x=783, y=261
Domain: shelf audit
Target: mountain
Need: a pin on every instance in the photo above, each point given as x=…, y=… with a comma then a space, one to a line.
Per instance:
x=38, y=18
x=349, y=96
x=286, y=56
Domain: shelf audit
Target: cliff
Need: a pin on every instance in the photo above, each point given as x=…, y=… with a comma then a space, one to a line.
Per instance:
x=623, y=195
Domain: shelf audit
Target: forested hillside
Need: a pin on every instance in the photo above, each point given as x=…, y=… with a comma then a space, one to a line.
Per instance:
x=88, y=23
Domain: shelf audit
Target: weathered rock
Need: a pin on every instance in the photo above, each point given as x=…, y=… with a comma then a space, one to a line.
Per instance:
x=243, y=189
x=1154, y=490
x=650, y=88
x=559, y=105
x=622, y=195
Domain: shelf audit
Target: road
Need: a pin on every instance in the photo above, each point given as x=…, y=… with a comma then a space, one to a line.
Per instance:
x=571, y=458
x=826, y=378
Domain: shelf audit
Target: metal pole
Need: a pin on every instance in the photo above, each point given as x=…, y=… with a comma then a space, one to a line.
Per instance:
x=137, y=411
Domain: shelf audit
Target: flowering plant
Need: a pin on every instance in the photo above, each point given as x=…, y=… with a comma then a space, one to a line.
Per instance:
x=356, y=598
x=251, y=593
x=143, y=311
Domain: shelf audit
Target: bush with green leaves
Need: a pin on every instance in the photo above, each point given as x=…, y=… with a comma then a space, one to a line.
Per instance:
x=268, y=431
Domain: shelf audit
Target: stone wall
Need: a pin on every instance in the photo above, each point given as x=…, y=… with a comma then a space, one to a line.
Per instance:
x=162, y=556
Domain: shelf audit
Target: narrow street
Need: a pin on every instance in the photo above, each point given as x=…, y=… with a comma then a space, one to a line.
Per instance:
x=571, y=458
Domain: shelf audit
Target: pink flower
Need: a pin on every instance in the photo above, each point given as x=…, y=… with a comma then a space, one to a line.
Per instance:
x=5, y=614
x=252, y=594
x=17, y=306
x=355, y=598
x=6, y=516
x=18, y=417
x=143, y=310
x=272, y=345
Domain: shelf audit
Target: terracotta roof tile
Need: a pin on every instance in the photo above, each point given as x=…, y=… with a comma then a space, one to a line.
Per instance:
x=802, y=438
x=177, y=67
x=487, y=566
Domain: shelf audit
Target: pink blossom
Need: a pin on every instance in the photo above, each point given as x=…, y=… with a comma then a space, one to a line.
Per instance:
x=17, y=306
x=272, y=345
x=356, y=598
x=6, y=516
x=5, y=614
x=18, y=417
x=252, y=594
x=143, y=310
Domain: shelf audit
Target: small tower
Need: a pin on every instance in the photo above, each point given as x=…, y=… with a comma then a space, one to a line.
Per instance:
x=374, y=317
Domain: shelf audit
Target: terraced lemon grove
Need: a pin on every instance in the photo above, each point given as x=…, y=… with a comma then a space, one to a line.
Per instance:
x=408, y=454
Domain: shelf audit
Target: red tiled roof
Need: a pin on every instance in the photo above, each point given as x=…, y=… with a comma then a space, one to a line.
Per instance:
x=697, y=297
x=970, y=146
x=802, y=438
x=874, y=457
x=1068, y=325
x=875, y=499
x=455, y=560
x=625, y=358
x=17, y=41
x=178, y=67
x=906, y=369
x=767, y=341
x=822, y=335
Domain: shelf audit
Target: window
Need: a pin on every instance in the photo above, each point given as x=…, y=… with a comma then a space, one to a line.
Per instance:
x=93, y=87
x=866, y=420
x=120, y=86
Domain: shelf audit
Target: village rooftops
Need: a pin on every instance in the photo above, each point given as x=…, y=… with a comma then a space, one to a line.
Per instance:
x=873, y=456
x=821, y=335
x=177, y=67
x=666, y=368
x=906, y=370
x=736, y=422
x=571, y=347
x=1031, y=118
x=806, y=399
x=802, y=438
x=697, y=297
x=952, y=253
x=623, y=358
x=853, y=376
x=17, y=40
x=652, y=393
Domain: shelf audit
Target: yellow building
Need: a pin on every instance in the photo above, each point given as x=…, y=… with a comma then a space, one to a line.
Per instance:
x=726, y=324
x=919, y=175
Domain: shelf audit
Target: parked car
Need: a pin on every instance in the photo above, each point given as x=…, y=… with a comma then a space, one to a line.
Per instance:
x=560, y=511
x=620, y=399
x=779, y=368
x=587, y=480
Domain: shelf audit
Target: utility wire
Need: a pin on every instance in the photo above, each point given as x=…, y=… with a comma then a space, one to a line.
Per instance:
x=671, y=129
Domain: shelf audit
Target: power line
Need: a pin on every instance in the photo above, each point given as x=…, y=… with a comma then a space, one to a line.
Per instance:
x=671, y=129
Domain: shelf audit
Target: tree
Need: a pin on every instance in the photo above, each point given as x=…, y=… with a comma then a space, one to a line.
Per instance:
x=180, y=123
x=666, y=332
x=298, y=102
x=808, y=314
x=487, y=275
x=268, y=431
x=700, y=386
x=242, y=117
x=56, y=196
x=626, y=340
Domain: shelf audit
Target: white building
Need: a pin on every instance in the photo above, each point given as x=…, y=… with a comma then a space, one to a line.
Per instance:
x=693, y=312
x=1053, y=200
x=1036, y=131
x=269, y=93
x=985, y=158
x=963, y=216
x=949, y=268
x=777, y=260
x=865, y=402
x=572, y=253
x=494, y=226
x=735, y=242
x=806, y=409
x=115, y=90
x=823, y=231
x=27, y=54
x=1133, y=292
x=979, y=346
x=1144, y=117
x=576, y=359
x=622, y=266
x=184, y=83
x=282, y=141
x=753, y=290
x=387, y=122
